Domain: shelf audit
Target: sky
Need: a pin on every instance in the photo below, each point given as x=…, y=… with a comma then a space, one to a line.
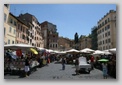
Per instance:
x=69, y=18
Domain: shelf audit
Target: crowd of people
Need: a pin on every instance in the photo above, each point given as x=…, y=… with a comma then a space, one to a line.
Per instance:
x=108, y=67
x=26, y=64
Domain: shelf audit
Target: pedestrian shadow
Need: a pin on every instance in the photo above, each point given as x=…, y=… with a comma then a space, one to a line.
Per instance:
x=74, y=74
x=83, y=72
x=61, y=70
x=57, y=63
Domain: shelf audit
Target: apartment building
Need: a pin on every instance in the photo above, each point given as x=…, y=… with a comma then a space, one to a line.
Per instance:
x=6, y=26
x=35, y=36
x=22, y=32
x=85, y=42
x=50, y=35
x=107, y=31
x=11, y=30
x=65, y=43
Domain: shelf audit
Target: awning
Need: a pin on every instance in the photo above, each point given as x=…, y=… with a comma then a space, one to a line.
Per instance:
x=34, y=51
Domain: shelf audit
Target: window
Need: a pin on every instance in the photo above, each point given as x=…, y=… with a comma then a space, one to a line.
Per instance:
x=109, y=40
x=103, y=30
x=21, y=27
x=18, y=26
x=12, y=42
x=32, y=44
x=108, y=19
x=15, y=23
x=103, y=35
x=102, y=23
x=35, y=38
x=103, y=41
x=14, y=31
x=100, y=42
x=4, y=30
x=108, y=33
x=23, y=36
x=56, y=45
x=5, y=17
x=8, y=41
x=108, y=26
x=105, y=21
x=11, y=21
x=103, y=47
x=10, y=28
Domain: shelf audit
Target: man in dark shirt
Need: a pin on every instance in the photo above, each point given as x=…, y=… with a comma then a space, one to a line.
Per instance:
x=63, y=63
x=27, y=67
x=77, y=65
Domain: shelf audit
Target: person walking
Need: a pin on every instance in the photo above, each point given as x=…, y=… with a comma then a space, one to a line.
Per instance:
x=27, y=67
x=92, y=62
x=77, y=66
x=63, y=63
x=105, y=70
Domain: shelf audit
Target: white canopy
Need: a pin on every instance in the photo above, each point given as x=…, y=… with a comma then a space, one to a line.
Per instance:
x=113, y=50
x=62, y=52
x=41, y=48
x=72, y=51
x=98, y=52
x=18, y=46
x=86, y=50
x=106, y=52
x=49, y=50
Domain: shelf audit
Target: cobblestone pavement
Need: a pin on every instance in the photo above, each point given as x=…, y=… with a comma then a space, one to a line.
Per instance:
x=54, y=72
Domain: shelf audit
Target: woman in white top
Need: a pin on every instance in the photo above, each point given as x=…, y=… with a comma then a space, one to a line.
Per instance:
x=105, y=70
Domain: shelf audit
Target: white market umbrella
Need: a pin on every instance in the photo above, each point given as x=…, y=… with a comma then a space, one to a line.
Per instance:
x=49, y=50
x=87, y=50
x=106, y=52
x=41, y=48
x=98, y=52
x=18, y=46
x=113, y=50
x=73, y=51
x=62, y=52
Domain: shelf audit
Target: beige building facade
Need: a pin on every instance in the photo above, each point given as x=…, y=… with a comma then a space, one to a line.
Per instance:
x=11, y=34
x=85, y=42
x=6, y=26
x=50, y=35
x=65, y=43
x=21, y=32
x=10, y=23
x=34, y=31
x=107, y=31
